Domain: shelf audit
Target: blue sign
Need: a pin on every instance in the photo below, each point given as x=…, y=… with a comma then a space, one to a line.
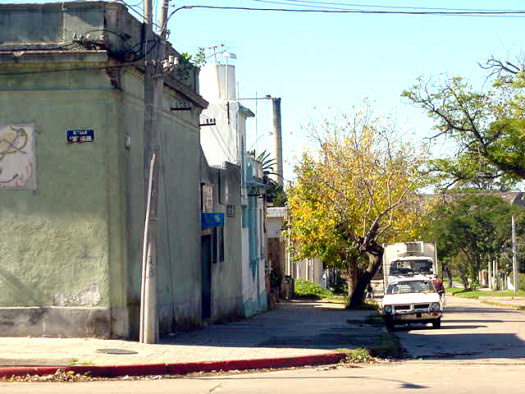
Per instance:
x=212, y=219
x=80, y=136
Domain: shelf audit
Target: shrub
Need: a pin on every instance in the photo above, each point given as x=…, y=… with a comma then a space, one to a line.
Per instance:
x=306, y=289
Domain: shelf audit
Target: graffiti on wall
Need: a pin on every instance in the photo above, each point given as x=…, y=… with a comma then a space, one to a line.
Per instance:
x=17, y=156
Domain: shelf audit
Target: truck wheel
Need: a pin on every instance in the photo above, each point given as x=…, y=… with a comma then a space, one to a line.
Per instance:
x=436, y=323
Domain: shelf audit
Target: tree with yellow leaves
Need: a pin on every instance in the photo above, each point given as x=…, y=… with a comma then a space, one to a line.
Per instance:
x=356, y=190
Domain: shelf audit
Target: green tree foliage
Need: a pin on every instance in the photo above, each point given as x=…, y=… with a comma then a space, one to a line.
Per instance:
x=488, y=127
x=275, y=194
x=355, y=191
x=472, y=230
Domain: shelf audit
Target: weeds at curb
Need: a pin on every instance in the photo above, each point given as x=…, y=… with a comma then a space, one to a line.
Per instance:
x=357, y=356
x=506, y=306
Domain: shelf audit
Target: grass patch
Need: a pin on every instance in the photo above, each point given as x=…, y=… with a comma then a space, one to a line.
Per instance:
x=336, y=299
x=481, y=293
x=453, y=290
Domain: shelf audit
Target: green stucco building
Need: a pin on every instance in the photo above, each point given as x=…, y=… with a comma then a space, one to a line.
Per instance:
x=72, y=175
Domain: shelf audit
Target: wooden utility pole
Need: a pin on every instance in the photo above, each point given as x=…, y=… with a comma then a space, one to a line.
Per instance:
x=514, y=257
x=153, y=94
x=278, y=140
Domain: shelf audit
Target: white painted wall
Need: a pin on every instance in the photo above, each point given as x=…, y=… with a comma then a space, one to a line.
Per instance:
x=223, y=142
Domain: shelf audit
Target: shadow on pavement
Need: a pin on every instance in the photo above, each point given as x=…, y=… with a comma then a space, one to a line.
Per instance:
x=402, y=384
x=298, y=324
x=467, y=346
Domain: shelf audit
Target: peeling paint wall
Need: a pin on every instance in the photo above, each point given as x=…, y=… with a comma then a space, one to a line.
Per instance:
x=70, y=245
x=55, y=241
x=17, y=156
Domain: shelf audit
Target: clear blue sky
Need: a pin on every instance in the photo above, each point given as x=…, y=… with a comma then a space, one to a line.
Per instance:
x=321, y=64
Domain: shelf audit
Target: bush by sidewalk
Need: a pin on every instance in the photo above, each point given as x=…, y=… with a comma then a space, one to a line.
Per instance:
x=309, y=290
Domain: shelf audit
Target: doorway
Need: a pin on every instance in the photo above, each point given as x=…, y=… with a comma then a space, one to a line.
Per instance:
x=206, y=245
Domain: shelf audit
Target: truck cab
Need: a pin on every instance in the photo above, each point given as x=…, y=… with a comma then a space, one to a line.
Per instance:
x=412, y=300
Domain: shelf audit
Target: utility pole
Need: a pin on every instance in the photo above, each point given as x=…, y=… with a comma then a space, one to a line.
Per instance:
x=278, y=140
x=514, y=257
x=153, y=93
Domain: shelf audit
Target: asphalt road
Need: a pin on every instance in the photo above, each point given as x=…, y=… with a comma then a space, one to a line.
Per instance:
x=479, y=349
x=429, y=377
x=470, y=331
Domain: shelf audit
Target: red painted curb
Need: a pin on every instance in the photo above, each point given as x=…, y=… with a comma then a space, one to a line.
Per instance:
x=178, y=368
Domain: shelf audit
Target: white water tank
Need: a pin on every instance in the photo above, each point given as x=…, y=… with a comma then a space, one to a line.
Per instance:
x=217, y=82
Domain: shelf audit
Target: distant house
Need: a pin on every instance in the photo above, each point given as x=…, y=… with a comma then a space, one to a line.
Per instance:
x=278, y=251
x=72, y=175
x=224, y=145
x=221, y=249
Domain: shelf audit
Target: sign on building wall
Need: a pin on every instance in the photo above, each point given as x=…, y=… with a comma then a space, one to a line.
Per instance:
x=17, y=156
x=80, y=136
x=212, y=219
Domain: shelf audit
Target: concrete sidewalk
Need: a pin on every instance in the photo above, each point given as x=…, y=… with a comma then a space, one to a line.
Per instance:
x=294, y=334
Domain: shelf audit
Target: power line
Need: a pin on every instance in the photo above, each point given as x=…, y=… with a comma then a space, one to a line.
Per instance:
x=486, y=13
x=132, y=7
x=435, y=11
x=323, y=3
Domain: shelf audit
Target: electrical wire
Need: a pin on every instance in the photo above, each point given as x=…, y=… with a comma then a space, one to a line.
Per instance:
x=132, y=7
x=137, y=4
x=222, y=143
x=323, y=3
x=301, y=5
x=139, y=13
x=497, y=13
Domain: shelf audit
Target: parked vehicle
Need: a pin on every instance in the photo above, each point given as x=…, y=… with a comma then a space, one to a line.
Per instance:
x=412, y=300
x=405, y=259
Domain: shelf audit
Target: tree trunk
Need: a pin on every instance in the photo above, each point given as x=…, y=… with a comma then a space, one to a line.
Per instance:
x=358, y=295
x=351, y=278
x=364, y=277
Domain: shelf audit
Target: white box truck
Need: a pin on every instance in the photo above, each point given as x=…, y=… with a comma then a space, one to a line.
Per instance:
x=410, y=273
x=406, y=259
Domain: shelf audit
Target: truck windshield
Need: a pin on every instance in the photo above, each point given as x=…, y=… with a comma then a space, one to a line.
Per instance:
x=413, y=286
x=409, y=267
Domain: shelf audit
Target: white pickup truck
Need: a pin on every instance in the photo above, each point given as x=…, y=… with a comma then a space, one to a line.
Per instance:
x=412, y=300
